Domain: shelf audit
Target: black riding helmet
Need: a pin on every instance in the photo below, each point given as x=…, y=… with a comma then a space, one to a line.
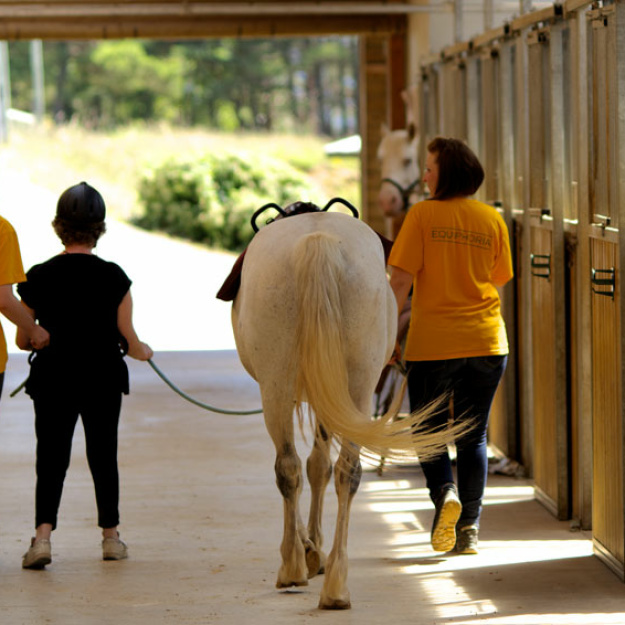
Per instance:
x=81, y=205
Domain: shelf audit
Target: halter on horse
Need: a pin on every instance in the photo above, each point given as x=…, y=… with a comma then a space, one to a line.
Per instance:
x=315, y=322
x=406, y=193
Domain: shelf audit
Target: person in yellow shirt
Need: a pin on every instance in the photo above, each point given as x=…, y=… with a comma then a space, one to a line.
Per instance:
x=12, y=272
x=453, y=252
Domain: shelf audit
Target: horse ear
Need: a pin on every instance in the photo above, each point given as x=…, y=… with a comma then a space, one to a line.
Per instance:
x=410, y=97
x=412, y=131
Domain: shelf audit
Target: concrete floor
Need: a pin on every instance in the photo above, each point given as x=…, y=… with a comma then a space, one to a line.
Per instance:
x=202, y=517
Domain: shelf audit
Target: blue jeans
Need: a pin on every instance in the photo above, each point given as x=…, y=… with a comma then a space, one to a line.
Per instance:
x=471, y=383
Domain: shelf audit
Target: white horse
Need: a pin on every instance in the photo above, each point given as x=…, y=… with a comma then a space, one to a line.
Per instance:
x=315, y=321
x=400, y=173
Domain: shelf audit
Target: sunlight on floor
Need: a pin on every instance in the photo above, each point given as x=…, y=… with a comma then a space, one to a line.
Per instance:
x=412, y=540
x=403, y=499
x=401, y=507
x=493, y=553
x=493, y=494
x=452, y=600
x=552, y=619
x=385, y=485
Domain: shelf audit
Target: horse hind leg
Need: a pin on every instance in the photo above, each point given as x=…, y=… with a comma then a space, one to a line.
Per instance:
x=347, y=474
x=278, y=413
x=319, y=470
x=293, y=570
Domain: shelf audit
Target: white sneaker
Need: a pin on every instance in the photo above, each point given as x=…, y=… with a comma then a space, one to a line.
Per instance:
x=38, y=555
x=114, y=549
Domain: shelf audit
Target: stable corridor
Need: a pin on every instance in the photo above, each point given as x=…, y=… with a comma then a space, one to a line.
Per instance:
x=200, y=509
x=202, y=517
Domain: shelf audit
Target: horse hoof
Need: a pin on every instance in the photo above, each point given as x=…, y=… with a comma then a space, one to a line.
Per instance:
x=336, y=604
x=281, y=585
x=313, y=562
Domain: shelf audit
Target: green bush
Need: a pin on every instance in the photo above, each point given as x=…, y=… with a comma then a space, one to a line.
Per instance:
x=211, y=200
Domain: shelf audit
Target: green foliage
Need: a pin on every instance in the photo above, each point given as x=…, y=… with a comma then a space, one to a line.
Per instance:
x=295, y=85
x=211, y=200
x=227, y=117
x=126, y=84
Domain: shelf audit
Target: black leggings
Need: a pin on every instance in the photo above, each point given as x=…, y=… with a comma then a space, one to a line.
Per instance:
x=1, y=382
x=55, y=421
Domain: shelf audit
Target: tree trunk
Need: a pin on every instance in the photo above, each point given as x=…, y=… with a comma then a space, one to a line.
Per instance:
x=60, y=106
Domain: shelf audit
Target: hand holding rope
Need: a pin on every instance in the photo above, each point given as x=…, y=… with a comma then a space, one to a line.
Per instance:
x=182, y=394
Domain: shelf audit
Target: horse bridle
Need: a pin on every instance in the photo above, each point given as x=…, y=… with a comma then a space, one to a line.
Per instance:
x=404, y=192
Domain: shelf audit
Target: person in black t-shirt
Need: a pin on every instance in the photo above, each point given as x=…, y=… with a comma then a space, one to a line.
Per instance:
x=85, y=304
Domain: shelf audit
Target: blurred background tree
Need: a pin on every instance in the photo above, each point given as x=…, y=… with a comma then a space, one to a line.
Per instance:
x=283, y=85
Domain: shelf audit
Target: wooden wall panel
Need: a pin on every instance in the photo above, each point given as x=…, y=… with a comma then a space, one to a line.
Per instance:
x=374, y=108
x=382, y=78
x=490, y=157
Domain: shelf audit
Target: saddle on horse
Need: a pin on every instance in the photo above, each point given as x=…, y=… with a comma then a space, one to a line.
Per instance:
x=230, y=287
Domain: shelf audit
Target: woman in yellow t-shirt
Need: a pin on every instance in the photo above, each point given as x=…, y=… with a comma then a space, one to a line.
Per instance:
x=454, y=252
x=12, y=272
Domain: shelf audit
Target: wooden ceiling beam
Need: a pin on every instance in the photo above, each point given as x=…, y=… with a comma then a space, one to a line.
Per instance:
x=196, y=28
x=252, y=5
x=72, y=9
x=176, y=19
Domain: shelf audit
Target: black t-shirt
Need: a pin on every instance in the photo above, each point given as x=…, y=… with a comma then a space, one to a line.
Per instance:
x=75, y=297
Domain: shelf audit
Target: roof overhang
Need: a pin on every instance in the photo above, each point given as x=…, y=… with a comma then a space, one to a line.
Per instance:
x=176, y=19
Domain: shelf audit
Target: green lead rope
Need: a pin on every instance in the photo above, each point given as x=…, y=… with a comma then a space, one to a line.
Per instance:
x=182, y=394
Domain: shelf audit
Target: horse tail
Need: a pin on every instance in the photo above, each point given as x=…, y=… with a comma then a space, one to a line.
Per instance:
x=322, y=379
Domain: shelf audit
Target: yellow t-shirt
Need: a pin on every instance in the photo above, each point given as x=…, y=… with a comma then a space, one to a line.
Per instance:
x=11, y=272
x=458, y=252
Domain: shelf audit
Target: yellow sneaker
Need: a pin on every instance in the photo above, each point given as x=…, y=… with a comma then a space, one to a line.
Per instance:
x=448, y=509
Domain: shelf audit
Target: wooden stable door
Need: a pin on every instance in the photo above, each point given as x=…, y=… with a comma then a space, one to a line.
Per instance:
x=607, y=521
x=548, y=279
x=551, y=444
x=607, y=114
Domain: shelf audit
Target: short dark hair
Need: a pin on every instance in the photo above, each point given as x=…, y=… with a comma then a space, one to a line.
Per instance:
x=71, y=234
x=460, y=172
